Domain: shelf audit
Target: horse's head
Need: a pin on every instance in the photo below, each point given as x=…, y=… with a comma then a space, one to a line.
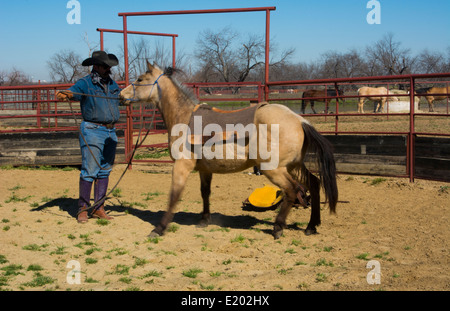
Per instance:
x=145, y=88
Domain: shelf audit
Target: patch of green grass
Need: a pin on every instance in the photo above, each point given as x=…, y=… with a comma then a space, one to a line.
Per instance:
x=59, y=251
x=152, y=273
x=151, y=195
x=125, y=280
x=118, y=251
x=215, y=274
x=153, y=154
x=192, y=273
x=12, y=270
x=323, y=262
x=117, y=192
x=443, y=189
x=173, y=228
x=38, y=167
x=363, y=256
x=206, y=287
x=3, y=259
x=90, y=261
x=239, y=239
x=121, y=269
x=16, y=188
x=321, y=277
x=284, y=271
x=34, y=268
x=92, y=250
x=154, y=240
x=102, y=222
x=139, y=262
x=15, y=198
x=39, y=280
x=377, y=181
x=3, y=280
x=34, y=247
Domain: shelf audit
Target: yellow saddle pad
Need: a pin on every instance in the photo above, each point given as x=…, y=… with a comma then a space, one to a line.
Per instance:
x=266, y=196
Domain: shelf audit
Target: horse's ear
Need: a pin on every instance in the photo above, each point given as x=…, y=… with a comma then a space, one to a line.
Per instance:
x=149, y=67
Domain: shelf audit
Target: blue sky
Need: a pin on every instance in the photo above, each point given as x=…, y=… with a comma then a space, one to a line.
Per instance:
x=31, y=31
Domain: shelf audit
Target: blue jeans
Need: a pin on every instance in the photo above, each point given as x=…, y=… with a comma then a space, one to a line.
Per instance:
x=102, y=142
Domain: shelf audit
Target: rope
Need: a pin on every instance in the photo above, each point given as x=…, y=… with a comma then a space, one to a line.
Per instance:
x=95, y=206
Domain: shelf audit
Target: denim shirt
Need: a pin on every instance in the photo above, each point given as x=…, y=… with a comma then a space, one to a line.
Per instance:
x=97, y=109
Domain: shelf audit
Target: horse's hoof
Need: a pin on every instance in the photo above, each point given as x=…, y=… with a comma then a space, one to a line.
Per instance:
x=310, y=231
x=203, y=223
x=154, y=234
x=277, y=232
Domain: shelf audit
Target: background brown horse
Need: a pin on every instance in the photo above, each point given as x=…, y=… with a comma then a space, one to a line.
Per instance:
x=310, y=96
x=427, y=93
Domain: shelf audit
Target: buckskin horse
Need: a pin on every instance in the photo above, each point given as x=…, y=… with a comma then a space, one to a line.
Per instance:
x=375, y=94
x=428, y=94
x=310, y=96
x=295, y=138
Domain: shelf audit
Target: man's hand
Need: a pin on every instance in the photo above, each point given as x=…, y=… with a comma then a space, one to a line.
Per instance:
x=64, y=95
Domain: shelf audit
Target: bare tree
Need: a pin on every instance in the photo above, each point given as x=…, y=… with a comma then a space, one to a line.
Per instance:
x=430, y=62
x=3, y=75
x=215, y=51
x=65, y=66
x=225, y=57
x=17, y=77
x=339, y=65
x=390, y=56
x=91, y=46
x=141, y=50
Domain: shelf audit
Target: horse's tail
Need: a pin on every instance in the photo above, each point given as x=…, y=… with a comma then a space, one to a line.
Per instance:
x=323, y=154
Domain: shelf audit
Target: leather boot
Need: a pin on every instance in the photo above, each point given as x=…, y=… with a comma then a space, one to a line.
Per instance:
x=84, y=201
x=100, y=189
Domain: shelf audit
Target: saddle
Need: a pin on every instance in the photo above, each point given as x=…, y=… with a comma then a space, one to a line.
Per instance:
x=212, y=115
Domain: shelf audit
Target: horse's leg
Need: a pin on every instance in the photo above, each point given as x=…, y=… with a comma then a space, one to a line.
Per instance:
x=180, y=173
x=430, y=100
x=383, y=102
x=282, y=179
x=314, y=189
x=361, y=105
x=312, y=107
x=304, y=104
x=205, y=179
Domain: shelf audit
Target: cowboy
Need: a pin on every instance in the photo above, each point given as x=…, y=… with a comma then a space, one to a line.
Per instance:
x=97, y=93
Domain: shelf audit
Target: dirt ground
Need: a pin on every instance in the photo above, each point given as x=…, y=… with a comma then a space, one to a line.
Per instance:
x=403, y=226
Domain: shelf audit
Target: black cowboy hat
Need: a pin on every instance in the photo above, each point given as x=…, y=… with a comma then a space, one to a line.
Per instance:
x=101, y=58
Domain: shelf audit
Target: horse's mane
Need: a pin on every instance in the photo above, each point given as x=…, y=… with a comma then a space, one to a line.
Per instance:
x=184, y=91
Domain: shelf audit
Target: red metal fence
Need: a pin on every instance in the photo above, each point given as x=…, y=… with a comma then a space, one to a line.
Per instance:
x=34, y=108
